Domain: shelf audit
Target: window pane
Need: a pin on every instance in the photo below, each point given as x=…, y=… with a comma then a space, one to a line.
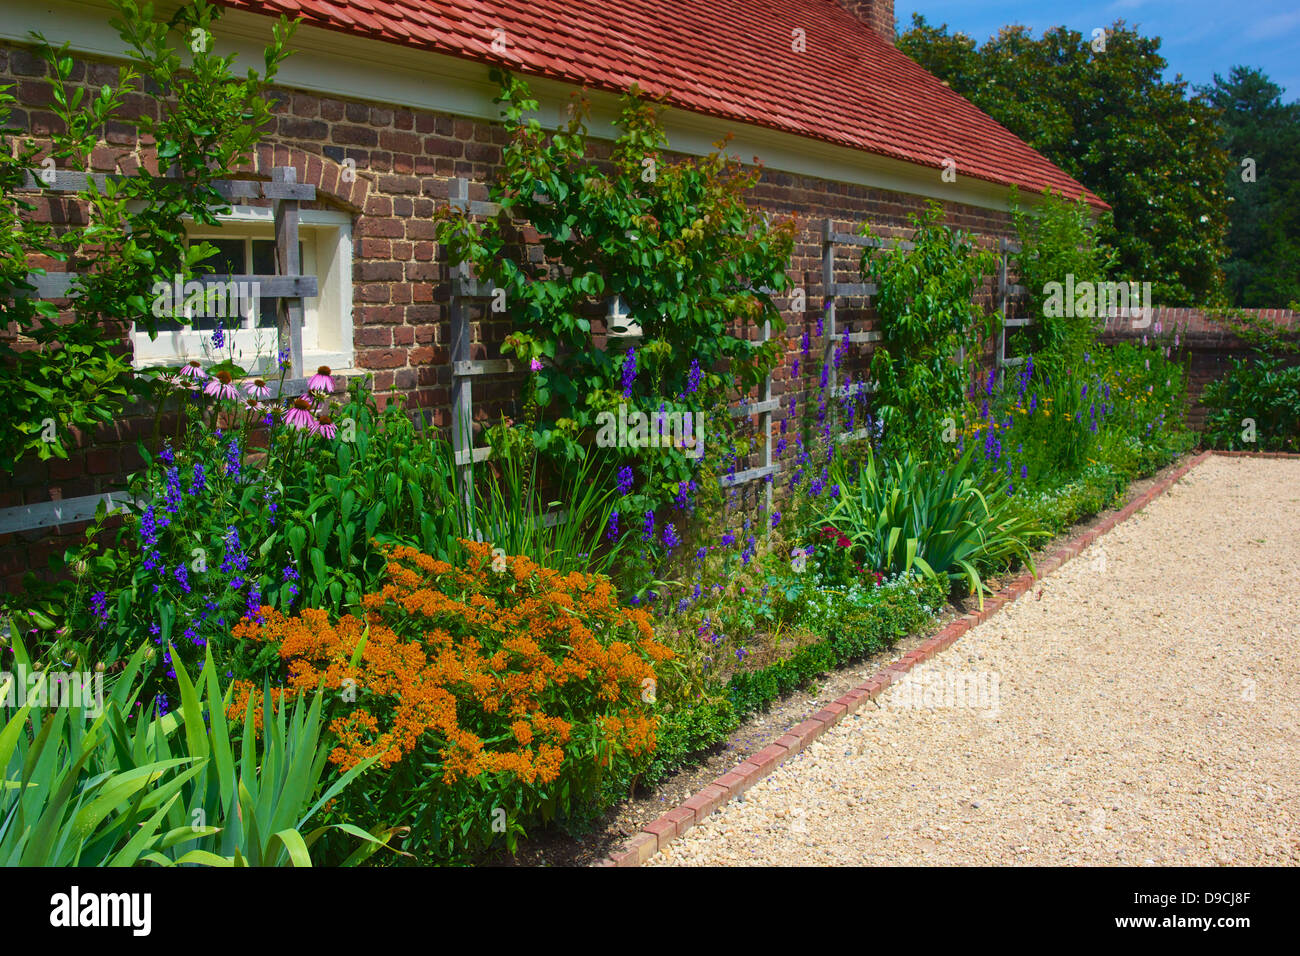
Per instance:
x=264, y=265
x=229, y=259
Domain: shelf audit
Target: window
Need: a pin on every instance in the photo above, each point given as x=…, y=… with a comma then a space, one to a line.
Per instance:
x=245, y=243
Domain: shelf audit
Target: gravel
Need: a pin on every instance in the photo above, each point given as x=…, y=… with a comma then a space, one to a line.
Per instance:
x=1140, y=707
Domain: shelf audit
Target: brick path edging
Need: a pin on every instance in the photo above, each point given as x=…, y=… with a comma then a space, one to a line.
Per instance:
x=657, y=834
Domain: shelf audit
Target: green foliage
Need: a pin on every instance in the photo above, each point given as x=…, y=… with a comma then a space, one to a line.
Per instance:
x=223, y=525
x=260, y=789
x=1262, y=390
x=924, y=300
x=71, y=796
x=867, y=619
x=693, y=265
x=1058, y=239
x=946, y=519
x=753, y=691
x=134, y=229
x=861, y=619
x=510, y=511
x=497, y=694
x=1261, y=137
x=1112, y=122
x=119, y=787
x=67, y=377
x=685, y=731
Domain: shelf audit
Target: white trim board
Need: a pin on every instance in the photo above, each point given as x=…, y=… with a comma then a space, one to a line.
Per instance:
x=336, y=64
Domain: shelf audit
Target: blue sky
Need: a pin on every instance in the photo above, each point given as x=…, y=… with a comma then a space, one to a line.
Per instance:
x=1199, y=37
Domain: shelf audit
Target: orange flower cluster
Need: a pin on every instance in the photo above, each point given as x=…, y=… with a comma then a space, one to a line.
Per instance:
x=490, y=669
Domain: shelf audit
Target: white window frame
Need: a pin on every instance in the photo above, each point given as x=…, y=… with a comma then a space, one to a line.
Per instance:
x=326, y=237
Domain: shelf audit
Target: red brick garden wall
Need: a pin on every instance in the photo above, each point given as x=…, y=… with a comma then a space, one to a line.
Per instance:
x=1206, y=342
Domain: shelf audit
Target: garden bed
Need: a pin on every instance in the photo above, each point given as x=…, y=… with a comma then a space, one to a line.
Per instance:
x=559, y=846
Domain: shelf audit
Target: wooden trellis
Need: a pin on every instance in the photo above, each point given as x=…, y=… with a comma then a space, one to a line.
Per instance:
x=1005, y=291
x=832, y=239
x=768, y=470
x=287, y=285
x=464, y=369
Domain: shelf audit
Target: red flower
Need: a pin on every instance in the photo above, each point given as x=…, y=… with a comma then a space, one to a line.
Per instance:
x=843, y=542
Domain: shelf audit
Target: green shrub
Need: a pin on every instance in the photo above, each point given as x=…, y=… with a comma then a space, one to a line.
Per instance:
x=496, y=694
x=223, y=525
x=1059, y=239
x=1261, y=391
x=752, y=691
x=951, y=520
x=687, y=730
x=205, y=121
x=692, y=263
x=927, y=314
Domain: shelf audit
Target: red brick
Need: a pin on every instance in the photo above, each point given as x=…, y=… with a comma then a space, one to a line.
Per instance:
x=638, y=850
x=732, y=782
x=791, y=742
x=830, y=714
x=809, y=730
x=663, y=830
x=683, y=817
x=706, y=801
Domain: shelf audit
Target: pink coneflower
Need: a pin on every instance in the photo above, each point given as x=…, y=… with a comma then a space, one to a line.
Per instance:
x=299, y=414
x=221, y=387
x=321, y=381
x=258, y=389
x=325, y=426
x=193, y=370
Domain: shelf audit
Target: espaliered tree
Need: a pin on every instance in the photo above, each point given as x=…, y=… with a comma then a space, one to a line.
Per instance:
x=925, y=299
x=690, y=262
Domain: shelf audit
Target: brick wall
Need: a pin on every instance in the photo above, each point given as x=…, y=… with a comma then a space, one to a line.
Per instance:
x=877, y=14
x=1205, y=341
x=404, y=161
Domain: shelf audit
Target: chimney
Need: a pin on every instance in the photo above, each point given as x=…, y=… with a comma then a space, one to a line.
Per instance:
x=877, y=14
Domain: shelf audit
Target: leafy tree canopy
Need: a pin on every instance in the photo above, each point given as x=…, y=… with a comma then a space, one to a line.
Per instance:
x=1261, y=136
x=1108, y=118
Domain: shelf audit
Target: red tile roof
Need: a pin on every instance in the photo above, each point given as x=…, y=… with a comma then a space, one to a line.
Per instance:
x=726, y=58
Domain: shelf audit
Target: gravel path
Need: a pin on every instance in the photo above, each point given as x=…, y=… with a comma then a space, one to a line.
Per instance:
x=1143, y=708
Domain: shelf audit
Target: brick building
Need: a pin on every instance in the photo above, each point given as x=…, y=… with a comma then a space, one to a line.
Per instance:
x=847, y=127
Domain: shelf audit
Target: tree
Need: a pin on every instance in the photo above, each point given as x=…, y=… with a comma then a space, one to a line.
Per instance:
x=1105, y=116
x=674, y=241
x=68, y=372
x=1261, y=136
